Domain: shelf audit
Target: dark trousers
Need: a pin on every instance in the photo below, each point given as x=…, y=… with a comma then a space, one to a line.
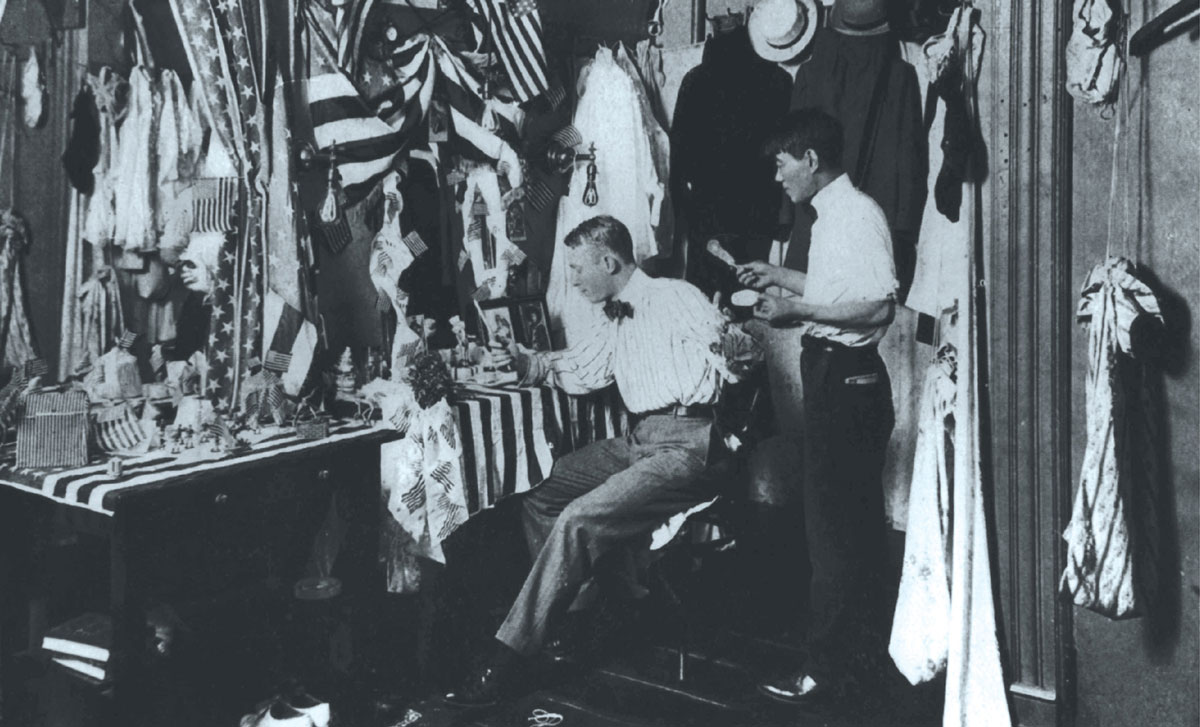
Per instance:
x=597, y=499
x=848, y=420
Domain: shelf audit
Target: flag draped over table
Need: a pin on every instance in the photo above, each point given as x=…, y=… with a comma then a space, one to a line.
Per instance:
x=229, y=73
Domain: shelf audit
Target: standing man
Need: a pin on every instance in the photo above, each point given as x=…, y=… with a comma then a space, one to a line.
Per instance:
x=659, y=343
x=846, y=302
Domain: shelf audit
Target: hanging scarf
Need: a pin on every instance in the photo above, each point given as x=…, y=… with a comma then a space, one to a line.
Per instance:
x=16, y=336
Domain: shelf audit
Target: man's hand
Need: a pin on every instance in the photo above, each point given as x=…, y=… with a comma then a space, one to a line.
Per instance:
x=515, y=356
x=776, y=310
x=756, y=274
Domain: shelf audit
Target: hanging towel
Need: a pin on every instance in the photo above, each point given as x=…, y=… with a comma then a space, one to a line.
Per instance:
x=1102, y=566
x=921, y=625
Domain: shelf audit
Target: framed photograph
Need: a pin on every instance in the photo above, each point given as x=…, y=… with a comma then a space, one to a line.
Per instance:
x=523, y=320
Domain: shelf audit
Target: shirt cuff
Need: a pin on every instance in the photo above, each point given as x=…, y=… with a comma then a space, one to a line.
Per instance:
x=539, y=368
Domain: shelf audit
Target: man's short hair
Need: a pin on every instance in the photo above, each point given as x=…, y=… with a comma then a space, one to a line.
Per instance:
x=605, y=232
x=806, y=129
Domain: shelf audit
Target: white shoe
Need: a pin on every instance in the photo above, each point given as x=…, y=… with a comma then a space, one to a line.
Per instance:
x=280, y=714
x=308, y=705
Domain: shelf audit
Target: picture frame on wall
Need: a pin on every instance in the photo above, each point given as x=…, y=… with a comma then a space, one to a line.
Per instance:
x=522, y=320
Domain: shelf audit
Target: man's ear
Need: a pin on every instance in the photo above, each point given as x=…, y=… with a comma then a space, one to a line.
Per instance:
x=611, y=263
x=811, y=157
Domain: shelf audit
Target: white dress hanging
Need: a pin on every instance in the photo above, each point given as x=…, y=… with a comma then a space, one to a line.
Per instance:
x=608, y=114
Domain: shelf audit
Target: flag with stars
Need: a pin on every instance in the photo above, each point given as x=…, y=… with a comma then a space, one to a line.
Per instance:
x=229, y=76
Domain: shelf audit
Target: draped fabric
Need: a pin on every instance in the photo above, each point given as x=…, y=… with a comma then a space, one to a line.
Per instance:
x=229, y=79
x=371, y=128
x=727, y=106
x=629, y=188
x=920, y=627
x=15, y=335
x=1103, y=570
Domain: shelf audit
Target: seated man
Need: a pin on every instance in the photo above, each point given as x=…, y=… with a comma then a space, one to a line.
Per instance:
x=659, y=344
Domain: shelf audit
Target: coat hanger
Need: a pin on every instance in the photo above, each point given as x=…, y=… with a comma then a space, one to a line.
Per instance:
x=1167, y=25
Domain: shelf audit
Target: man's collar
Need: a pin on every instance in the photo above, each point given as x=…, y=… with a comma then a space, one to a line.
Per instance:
x=827, y=194
x=633, y=287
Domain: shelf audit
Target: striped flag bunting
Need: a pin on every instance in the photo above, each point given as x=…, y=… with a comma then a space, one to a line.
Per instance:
x=371, y=131
x=290, y=340
x=416, y=244
x=538, y=194
x=118, y=429
x=366, y=144
x=213, y=204
x=334, y=235
x=229, y=80
x=515, y=29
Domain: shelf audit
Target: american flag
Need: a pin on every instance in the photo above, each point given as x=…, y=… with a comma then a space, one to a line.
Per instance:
x=369, y=134
x=515, y=29
x=228, y=77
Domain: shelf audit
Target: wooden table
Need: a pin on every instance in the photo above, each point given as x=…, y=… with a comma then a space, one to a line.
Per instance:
x=179, y=530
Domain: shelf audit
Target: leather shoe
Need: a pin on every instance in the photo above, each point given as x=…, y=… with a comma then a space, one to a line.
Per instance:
x=794, y=687
x=485, y=687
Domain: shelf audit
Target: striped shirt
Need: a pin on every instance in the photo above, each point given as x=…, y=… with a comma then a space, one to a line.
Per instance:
x=665, y=354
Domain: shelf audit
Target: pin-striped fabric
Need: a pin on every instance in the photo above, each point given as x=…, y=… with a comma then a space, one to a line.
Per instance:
x=92, y=487
x=515, y=29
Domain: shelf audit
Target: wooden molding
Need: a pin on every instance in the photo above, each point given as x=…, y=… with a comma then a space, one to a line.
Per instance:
x=1027, y=238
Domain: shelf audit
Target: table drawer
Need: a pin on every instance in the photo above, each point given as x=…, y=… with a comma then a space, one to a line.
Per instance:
x=220, y=533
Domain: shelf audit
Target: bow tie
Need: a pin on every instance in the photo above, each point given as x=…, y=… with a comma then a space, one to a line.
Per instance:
x=617, y=309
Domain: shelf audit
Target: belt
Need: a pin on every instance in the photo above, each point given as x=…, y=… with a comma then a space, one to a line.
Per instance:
x=824, y=344
x=679, y=411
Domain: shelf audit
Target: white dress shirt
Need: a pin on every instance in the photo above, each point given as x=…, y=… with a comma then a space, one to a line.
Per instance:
x=850, y=260
x=666, y=353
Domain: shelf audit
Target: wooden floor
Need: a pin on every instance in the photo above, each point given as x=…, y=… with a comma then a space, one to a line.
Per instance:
x=643, y=690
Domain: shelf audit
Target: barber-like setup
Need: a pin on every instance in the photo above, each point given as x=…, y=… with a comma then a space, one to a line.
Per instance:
x=651, y=363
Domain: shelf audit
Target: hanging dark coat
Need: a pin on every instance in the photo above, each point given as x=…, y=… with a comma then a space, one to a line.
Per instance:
x=889, y=160
x=726, y=108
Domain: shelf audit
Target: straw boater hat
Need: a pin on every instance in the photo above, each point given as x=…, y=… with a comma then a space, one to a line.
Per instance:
x=781, y=29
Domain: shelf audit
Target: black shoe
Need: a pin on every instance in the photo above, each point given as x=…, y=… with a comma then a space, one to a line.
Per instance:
x=561, y=650
x=485, y=687
x=795, y=687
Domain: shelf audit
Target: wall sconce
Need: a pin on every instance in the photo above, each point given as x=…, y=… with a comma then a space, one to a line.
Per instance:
x=331, y=208
x=561, y=158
